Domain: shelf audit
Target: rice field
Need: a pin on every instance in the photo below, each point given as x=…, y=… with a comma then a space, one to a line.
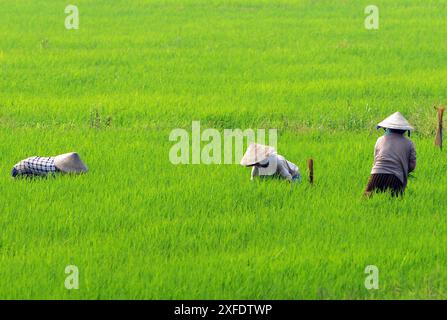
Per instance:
x=139, y=227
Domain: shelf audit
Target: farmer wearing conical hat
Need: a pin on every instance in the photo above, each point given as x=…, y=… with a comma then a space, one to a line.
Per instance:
x=394, y=157
x=266, y=162
x=43, y=166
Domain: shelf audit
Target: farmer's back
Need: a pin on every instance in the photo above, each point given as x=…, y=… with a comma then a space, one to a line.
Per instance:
x=392, y=155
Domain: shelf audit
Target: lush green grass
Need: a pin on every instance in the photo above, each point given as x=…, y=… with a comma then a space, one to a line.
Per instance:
x=139, y=227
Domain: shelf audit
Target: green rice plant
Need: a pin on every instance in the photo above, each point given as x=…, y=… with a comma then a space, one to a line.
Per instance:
x=138, y=227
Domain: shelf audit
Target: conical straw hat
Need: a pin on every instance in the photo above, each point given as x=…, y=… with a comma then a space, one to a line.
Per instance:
x=395, y=121
x=70, y=163
x=256, y=153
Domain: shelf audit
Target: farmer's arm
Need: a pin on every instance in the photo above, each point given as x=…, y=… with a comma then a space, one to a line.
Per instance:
x=283, y=170
x=412, y=162
x=294, y=171
x=293, y=168
x=254, y=172
x=377, y=148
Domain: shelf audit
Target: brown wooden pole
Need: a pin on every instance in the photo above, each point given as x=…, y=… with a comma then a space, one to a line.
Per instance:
x=310, y=166
x=438, y=139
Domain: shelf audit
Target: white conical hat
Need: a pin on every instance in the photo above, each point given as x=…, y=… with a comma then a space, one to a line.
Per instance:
x=70, y=163
x=256, y=153
x=395, y=121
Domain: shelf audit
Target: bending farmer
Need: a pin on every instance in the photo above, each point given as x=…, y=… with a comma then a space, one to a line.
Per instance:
x=266, y=162
x=394, y=157
x=43, y=166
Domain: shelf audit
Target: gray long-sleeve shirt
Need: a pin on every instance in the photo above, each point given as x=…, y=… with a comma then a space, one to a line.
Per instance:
x=277, y=165
x=394, y=154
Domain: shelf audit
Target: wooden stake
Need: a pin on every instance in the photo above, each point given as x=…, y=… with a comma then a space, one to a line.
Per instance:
x=310, y=166
x=438, y=139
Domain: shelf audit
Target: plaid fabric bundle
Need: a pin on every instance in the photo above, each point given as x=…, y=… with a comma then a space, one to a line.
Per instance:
x=39, y=166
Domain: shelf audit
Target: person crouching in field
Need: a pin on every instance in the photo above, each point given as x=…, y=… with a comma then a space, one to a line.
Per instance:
x=394, y=158
x=44, y=166
x=267, y=163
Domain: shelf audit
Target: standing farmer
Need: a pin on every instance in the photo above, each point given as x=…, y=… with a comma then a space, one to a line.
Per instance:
x=267, y=163
x=394, y=157
x=43, y=166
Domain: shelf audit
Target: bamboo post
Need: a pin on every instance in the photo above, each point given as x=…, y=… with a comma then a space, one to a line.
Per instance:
x=438, y=139
x=310, y=166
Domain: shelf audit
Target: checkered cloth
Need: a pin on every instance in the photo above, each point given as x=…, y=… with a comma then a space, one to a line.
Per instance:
x=35, y=166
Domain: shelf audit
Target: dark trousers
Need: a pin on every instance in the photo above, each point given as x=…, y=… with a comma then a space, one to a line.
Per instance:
x=380, y=182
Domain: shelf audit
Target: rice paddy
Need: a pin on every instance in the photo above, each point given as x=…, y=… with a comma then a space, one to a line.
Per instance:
x=139, y=227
